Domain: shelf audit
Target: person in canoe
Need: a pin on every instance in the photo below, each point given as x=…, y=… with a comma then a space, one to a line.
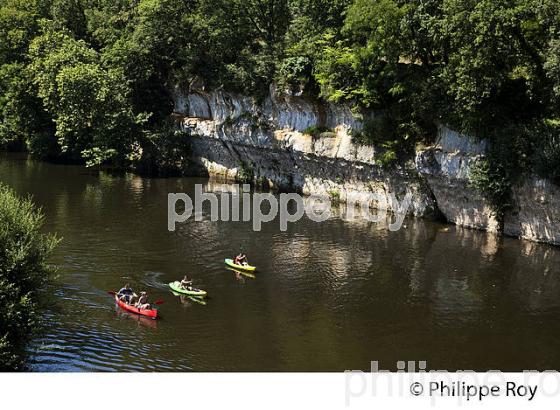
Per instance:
x=142, y=302
x=241, y=259
x=126, y=294
x=186, y=283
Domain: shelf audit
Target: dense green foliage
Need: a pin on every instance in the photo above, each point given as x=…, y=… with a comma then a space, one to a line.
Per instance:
x=89, y=80
x=23, y=274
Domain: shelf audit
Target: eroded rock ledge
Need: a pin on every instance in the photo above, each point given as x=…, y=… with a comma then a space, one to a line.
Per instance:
x=536, y=202
x=232, y=133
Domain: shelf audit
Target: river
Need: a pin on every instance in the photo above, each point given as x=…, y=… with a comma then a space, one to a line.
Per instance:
x=327, y=296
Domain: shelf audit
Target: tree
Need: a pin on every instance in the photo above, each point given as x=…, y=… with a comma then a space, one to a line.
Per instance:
x=88, y=103
x=24, y=273
x=18, y=26
x=97, y=82
x=384, y=61
x=494, y=69
x=237, y=44
x=311, y=21
x=22, y=117
x=552, y=65
x=69, y=15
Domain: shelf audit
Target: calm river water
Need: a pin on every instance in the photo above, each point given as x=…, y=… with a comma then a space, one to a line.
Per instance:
x=327, y=296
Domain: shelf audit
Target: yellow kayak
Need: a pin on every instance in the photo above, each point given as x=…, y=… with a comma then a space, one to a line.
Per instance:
x=247, y=268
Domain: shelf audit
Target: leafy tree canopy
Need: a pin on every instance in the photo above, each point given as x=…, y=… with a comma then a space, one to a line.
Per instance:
x=92, y=80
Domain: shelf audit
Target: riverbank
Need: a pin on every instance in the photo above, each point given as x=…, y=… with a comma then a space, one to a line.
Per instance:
x=234, y=137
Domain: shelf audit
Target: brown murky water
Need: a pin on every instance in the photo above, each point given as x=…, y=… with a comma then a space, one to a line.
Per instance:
x=327, y=296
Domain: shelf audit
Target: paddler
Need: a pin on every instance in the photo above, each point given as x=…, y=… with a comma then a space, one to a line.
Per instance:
x=125, y=293
x=143, y=301
x=186, y=283
x=240, y=259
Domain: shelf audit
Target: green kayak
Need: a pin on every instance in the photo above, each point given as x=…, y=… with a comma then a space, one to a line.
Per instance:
x=176, y=286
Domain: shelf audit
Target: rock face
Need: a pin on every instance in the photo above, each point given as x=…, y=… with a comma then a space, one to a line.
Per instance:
x=536, y=202
x=536, y=214
x=271, y=141
x=446, y=167
x=234, y=134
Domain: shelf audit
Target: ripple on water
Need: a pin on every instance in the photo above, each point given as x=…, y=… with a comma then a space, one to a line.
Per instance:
x=326, y=296
x=100, y=349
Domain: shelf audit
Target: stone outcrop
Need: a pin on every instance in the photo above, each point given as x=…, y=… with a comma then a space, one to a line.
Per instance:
x=272, y=141
x=232, y=134
x=446, y=167
x=535, y=213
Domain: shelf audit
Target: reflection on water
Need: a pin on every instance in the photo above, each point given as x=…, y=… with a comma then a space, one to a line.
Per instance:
x=326, y=296
x=241, y=274
x=141, y=320
x=188, y=301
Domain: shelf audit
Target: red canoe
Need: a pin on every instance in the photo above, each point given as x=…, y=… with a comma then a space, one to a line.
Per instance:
x=144, y=312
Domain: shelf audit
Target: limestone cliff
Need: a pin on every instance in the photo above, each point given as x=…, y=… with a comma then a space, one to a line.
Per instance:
x=231, y=134
x=446, y=167
x=535, y=214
